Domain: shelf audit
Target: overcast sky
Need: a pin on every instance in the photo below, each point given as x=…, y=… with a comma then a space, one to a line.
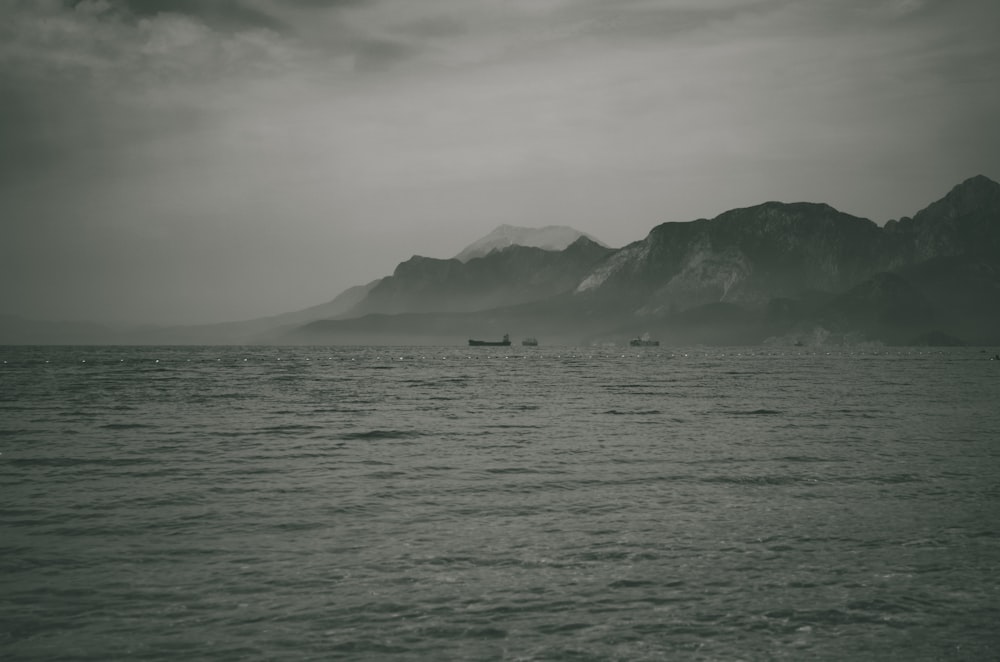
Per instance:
x=208, y=160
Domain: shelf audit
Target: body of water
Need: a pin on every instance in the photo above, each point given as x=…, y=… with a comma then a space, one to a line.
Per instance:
x=267, y=503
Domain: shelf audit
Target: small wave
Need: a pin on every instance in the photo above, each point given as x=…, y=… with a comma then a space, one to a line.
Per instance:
x=385, y=474
x=636, y=412
x=367, y=646
x=291, y=427
x=45, y=461
x=74, y=462
x=560, y=628
x=753, y=480
x=382, y=434
x=126, y=426
x=299, y=526
x=803, y=458
x=879, y=605
x=630, y=583
x=827, y=617
x=897, y=478
x=755, y=412
x=240, y=395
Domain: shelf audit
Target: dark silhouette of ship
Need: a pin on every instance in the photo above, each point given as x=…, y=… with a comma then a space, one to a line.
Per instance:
x=643, y=341
x=491, y=343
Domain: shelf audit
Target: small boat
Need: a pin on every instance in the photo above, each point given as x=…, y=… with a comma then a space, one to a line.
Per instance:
x=643, y=341
x=530, y=342
x=491, y=343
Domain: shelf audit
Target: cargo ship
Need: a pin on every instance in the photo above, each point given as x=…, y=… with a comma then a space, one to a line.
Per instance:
x=491, y=343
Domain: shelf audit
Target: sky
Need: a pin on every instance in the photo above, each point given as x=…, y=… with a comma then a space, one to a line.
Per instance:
x=194, y=161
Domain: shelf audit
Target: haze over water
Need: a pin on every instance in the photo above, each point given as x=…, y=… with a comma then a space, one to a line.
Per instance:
x=234, y=503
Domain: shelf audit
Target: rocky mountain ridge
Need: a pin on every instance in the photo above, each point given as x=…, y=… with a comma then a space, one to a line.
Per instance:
x=503, y=277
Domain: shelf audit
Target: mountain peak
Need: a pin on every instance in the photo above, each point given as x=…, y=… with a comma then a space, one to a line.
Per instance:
x=979, y=182
x=975, y=194
x=979, y=188
x=549, y=237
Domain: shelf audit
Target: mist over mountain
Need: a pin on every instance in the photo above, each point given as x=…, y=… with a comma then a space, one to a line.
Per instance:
x=16, y=330
x=259, y=330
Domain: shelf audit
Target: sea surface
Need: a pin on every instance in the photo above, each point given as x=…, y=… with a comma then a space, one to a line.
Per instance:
x=453, y=503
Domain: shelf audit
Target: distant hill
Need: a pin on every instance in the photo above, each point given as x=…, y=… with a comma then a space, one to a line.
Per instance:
x=550, y=238
x=964, y=222
x=743, y=256
x=253, y=331
x=504, y=277
x=21, y=331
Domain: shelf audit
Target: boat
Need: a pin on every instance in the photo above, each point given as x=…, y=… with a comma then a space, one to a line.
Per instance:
x=643, y=341
x=491, y=343
x=530, y=342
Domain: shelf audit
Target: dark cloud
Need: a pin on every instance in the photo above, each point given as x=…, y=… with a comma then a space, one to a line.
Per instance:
x=329, y=4
x=42, y=120
x=77, y=83
x=227, y=14
x=646, y=20
x=375, y=54
x=19, y=129
x=220, y=14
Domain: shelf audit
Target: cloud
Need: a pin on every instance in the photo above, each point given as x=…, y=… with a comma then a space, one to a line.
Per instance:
x=88, y=79
x=229, y=15
x=220, y=13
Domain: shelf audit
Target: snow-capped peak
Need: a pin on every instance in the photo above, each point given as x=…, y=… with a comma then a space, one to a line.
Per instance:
x=550, y=238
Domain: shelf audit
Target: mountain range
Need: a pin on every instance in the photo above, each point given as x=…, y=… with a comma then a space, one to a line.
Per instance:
x=792, y=273
x=775, y=272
